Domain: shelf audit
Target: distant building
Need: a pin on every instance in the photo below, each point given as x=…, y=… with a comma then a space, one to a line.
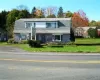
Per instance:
x=3, y=35
x=82, y=31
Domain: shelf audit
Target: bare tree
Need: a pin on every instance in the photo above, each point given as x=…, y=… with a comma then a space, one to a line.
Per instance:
x=50, y=10
x=22, y=7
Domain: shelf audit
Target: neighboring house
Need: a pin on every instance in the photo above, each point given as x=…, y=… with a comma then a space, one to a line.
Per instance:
x=3, y=35
x=98, y=29
x=82, y=31
x=43, y=29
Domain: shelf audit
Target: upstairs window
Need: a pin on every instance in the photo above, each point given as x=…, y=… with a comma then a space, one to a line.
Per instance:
x=28, y=25
x=51, y=25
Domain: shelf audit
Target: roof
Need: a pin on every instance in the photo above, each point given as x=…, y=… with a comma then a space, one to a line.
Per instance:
x=44, y=19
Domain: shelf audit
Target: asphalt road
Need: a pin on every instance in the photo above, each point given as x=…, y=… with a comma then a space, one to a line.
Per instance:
x=16, y=64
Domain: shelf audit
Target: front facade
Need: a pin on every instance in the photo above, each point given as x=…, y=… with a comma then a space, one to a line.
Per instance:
x=43, y=29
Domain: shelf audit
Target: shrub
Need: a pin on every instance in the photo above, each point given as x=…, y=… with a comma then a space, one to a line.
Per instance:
x=55, y=44
x=11, y=41
x=24, y=42
x=34, y=43
x=70, y=43
x=92, y=32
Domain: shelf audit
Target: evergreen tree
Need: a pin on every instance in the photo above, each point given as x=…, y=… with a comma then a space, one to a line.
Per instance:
x=33, y=12
x=60, y=13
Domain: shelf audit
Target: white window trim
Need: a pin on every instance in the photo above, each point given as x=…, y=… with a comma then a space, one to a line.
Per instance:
x=31, y=23
x=56, y=35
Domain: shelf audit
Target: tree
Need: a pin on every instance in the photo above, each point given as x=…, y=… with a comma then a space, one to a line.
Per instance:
x=51, y=16
x=69, y=14
x=24, y=14
x=3, y=17
x=93, y=23
x=98, y=24
x=80, y=19
x=39, y=13
x=60, y=13
x=33, y=13
x=11, y=17
x=22, y=7
x=92, y=32
x=72, y=37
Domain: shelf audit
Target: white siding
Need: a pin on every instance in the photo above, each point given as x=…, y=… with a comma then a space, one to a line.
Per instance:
x=40, y=24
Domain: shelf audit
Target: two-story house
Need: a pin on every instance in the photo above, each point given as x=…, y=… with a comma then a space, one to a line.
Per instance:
x=43, y=29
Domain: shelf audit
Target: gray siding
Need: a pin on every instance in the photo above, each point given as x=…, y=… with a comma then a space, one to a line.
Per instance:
x=21, y=36
x=63, y=30
x=64, y=23
x=66, y=38
x=44, y=37
x=20, y=27
x=49, y=37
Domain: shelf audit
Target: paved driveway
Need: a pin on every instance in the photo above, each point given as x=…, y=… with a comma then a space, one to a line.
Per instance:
x=10, y=49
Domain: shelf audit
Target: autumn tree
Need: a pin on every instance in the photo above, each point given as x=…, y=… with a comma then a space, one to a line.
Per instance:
x=79, y=19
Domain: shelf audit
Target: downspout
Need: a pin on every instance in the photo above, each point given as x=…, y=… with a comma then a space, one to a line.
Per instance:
x=31, y=32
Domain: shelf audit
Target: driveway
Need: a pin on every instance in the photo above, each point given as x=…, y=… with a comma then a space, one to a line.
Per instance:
x=10, y=49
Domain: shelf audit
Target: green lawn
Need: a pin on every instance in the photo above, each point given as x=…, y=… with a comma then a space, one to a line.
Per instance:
x=87, y=41
x=84, y=49
x=67, y=48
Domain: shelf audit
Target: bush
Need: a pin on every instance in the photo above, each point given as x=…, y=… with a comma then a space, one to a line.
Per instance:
x=11, y=41
x=24, y=42
x=55, y=44
x=70, y=43
x=92, y=32
x=34, y=43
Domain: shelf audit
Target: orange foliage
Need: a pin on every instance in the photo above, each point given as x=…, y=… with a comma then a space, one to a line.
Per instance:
x=79, y=21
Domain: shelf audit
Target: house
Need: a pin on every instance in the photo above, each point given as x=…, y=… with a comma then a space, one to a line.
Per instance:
x=43, y=29
x=82, y=31
x=3, y=35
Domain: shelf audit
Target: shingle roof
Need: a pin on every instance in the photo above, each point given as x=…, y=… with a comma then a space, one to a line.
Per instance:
x=44, y=19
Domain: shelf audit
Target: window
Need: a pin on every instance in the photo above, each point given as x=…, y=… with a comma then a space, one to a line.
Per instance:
x=51, y=25
x=28, y=25
x=57, y=37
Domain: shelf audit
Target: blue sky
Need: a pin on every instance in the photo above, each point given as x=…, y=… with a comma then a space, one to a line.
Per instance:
x=90, y=7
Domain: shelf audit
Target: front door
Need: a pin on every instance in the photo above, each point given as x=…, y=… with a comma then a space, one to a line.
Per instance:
x=43, y=39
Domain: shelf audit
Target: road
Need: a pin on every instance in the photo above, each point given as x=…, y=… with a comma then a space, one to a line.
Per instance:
x=16, y=64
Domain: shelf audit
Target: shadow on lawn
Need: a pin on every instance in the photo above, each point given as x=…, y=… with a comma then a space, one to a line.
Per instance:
x=96, y=44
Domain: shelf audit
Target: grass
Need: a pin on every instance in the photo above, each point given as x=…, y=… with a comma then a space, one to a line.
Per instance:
x=87, y=41
x=84, y=49
x=67, y=48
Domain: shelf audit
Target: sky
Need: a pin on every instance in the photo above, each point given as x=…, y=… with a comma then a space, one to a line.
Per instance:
x=90, y=7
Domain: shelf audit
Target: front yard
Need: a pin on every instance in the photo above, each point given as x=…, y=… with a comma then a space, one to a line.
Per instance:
x=92, y=48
